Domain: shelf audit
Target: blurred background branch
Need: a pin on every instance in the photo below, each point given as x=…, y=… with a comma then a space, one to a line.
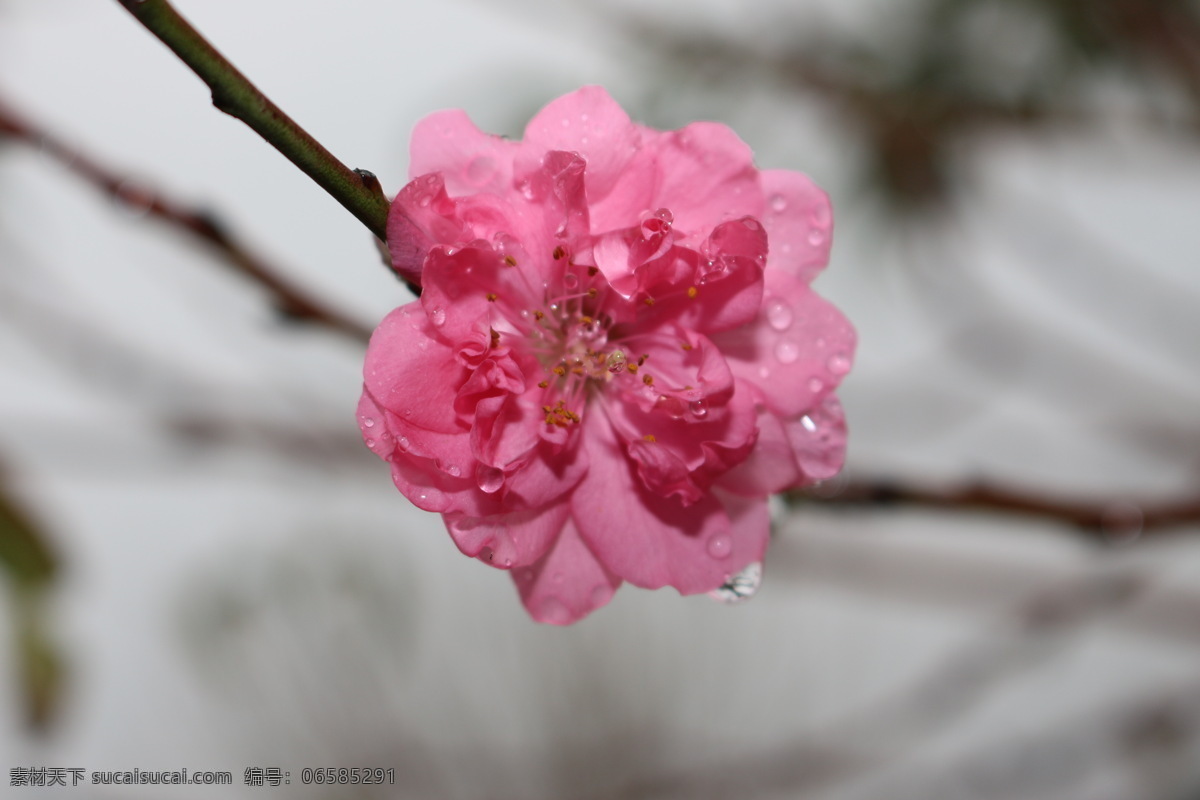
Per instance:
x=200, y=224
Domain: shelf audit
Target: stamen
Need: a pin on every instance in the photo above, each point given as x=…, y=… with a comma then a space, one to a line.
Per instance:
x=491, y=297
x=692, y=292
x=559, y=253
x=512, y=262
x=649, y=437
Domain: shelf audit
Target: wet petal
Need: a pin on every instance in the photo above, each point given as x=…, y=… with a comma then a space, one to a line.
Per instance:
x=796, y=351
x=508, y=541
x=799, y=223
x=649, y=540
x=469, y=159
x=568, y=583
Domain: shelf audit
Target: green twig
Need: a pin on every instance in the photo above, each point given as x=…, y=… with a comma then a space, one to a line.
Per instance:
x=357, y=190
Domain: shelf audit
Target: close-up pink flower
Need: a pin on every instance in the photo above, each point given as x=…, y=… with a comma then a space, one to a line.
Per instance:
x=616, y=356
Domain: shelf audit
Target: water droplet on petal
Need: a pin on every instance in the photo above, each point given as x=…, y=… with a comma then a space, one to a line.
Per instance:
x=698, y=408
x=453, y=470
x=368, y=422
x=720, y=546
x=570, y=280
x=402, y=442
x=808, y=424
x=553, y=611
x=489, y=479
x=616, y=362
x=778, y=203
x=370, y=442
x=507, y=562
x=815, y=385
x=786, y=351
x=816, y=237
x=839, y=364
x=779, y=314
x=481, y=170
x=601, y=594
x=741, y=586
x=438, y=316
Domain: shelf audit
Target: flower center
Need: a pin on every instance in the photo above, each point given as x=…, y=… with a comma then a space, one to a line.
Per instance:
x=570, y=335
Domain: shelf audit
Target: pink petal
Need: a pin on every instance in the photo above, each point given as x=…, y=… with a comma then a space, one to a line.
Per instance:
x=707, y=177
x=508, y=541
x=723, y=288
x=411, y=373
x=798, y=349
x=588, y=122
x=548, y=475
x=505, y=431
x=469, y=159
x=771, y=465
x=470, y=291
x=421, y=216
x=568, y=583
x=648, y=540
x=430, y=469
x=799, y=223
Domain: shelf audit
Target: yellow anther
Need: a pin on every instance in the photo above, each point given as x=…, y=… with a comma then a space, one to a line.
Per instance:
x=512, y=262
x=539, y=316
x=649, y=437
x=559, y=415
x=692, y=292
x=649, y=301
x=685, y=346
x=648, y=380
x=543, y=384
x=560, y=370
x=491, y=297
x=592, y=292
x=559, y=253
x=631, y=367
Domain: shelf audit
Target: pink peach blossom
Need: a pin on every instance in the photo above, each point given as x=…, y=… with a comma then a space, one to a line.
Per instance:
x=616, y=356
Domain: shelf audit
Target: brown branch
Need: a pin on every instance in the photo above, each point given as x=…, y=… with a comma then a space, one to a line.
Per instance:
x=199, y=223
x=1118, y=520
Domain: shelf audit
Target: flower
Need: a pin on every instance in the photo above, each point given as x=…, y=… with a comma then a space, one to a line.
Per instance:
x=616, y=356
